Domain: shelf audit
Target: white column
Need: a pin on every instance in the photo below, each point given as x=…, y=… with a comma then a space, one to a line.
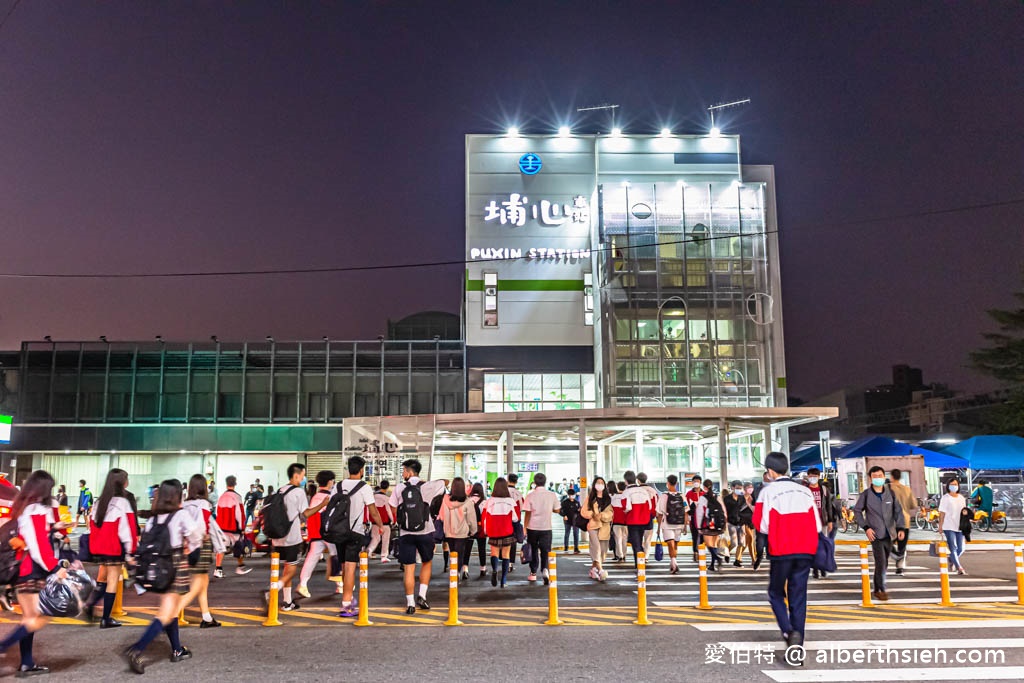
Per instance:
x=723, y=454
x=638, y=449
x=509, y=450
x=584, y=475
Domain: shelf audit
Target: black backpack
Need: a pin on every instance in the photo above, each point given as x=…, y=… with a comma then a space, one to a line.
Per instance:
x=335, y=524
x=276, y=523
x=714, y=516
x=675, y=509
x=413, y=514
x=9, y=565
x=155, y=569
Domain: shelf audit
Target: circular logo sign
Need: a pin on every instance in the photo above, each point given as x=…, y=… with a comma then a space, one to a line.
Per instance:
x=641, y=211
x=530, y=163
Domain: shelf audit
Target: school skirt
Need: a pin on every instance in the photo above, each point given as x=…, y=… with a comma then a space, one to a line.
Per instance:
x=201, y=559
x=503, y=542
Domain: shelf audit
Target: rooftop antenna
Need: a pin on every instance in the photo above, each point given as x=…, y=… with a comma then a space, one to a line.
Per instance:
x=600, y=107
x=715, y=131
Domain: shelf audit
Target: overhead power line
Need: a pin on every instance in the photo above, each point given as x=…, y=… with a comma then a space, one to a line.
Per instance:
x=460, y=262
x=9, y=13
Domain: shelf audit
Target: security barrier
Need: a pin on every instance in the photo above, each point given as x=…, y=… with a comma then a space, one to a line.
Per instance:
x=553, y=619
x=944, y=575
x=702, y=565
x=865, y=577
x=641, y=591
x=364, y=590
x=453, y=591
x=118, y=610
x=275, y=587
x=1018, y=556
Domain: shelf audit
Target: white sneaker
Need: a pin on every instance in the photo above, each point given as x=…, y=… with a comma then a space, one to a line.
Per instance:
x=303, y=591
x=242, y=571
x=593, y=573
x=339, y=590
x=384, y=560
x=603, y=576
x=218, y=573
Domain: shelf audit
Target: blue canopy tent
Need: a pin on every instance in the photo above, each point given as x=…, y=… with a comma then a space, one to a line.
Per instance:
x=879, y=446
x=805, y=458
x=990, y=452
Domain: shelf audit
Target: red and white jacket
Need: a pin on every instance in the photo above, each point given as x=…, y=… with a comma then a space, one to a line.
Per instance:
x=785, y=511
x=34, y=529
x=639, y=505
x=381, y=501
x=119, y=531
x=316, y=519
x=199, y=511
x=230, y=512
x=498, y=516
x=619, y=508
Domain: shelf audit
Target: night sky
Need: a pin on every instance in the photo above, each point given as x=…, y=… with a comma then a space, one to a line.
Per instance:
x=155, y=137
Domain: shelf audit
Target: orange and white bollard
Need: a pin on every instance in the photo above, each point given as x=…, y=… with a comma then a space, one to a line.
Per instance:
x=944, y=575
x=702, y=567
x=364, y=591
x=118, y=610
x=275, y=587
x=453, y=591
x=1018, y=556
x=641, y=591
x=865, y=577
x=553, y=619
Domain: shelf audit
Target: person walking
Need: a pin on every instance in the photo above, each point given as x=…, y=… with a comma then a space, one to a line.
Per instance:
x=517, y=526
x=64, y=512
x=639, y=509
x=734, y=527
x=785, y=514
x=317, y=545
x=231, y=520
x=692, y=498
x=951, y=508
x=477, y=496
x=113, y=537
x=499, y=515
x=184, y=535
x=458, y=518
x=252, y=500
x=672, y=520
x=410, y=505
x=711, y=522
x=653, y=494
x=877, y=511
x=200, y=558
x=620, y=533
x=361, y=508
x=32, y=511
x=381, y=536
x=599, y=513
x=908, y=502
x=747, y=521
x=538, y=506
x=297, y=510
x=827, y=506
x=84, y=502
x=569, y=510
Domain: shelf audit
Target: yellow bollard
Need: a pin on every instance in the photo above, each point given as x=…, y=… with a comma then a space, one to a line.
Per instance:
x=1018, y=555
x=865, y=577
x=364, y=583
x=453, y=591
x=275, y=586
x=944, y=575
x=702, y=566
x=181, y=618
x=553, y=619
x=118, y=610
x=641, y=591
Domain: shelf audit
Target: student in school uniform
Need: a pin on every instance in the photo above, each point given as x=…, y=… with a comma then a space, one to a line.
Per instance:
x=185, y=535
x=113, y=536
x=500, y=515
x=200, y=559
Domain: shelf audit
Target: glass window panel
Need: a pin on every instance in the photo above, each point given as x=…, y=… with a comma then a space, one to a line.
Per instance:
x=571, y=387
x=647, y=329
x=622, y=329
x=491, y=279
x=651, y=459
x=493, y=407
x=532, y=388
x=678, y=459
x=552, y=387
x=589, y=389
x=588, y=405
x=625, y=458
x=493, y=388
x=513, y=387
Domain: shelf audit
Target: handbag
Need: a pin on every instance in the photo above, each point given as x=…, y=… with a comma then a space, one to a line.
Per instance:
x=659, y=550
x=84, y=555
x=933, y=549
x=438, y=531
x=527, y=554
x=825, y=556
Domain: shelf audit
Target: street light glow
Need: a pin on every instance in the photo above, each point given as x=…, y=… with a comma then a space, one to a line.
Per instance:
x=715, y=131
x=616, y=132
x=564, y=132
x=513, y=131
x=666, y=133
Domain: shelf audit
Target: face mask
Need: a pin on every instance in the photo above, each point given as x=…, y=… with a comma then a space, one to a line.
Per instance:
x=696, y=487
x=953, y=488
x=599, y=487
x=813, y=481
x=303, y=482
x=878, y=481
x=738, y=492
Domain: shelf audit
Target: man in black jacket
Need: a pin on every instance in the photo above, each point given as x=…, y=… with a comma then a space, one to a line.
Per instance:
x=569, y=510
x=734, y=500
x=828, y=506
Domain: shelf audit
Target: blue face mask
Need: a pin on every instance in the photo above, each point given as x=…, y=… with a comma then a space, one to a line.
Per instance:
x=303, y=482
x=878, y=481
x=953, y=488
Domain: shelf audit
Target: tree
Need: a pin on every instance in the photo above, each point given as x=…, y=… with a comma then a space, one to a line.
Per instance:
x=1003, y=359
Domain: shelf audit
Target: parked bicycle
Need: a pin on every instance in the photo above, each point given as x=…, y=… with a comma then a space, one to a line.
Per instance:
x=847, y=521
x=983, y=522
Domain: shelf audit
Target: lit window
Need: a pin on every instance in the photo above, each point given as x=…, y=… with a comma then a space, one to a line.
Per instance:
x=588, y=298
x=490, y=299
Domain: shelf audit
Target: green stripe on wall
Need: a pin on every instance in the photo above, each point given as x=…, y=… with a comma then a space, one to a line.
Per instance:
x=529, y=285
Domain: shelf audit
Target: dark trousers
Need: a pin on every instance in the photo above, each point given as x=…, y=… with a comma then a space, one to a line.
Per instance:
x=571, y=528
x=635, y=535
x=481, y=548
x=787, y=581
x=462, y=546
x=540, y=544
x=881, y=547
x=695, y=536
x=899, y=550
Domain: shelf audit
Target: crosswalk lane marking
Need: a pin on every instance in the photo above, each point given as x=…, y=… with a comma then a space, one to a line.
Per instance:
x=991, y=673
x=894, y=644
x=881, y=626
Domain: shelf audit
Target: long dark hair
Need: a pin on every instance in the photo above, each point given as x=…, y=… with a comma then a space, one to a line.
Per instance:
x=603, y=501
x=500, y=488
x=114, y=487
x=458, y=493
x=168, y=497
x=197, y=488
x=38, y=488
x=478, y=491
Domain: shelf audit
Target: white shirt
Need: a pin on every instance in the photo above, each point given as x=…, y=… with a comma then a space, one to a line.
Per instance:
x=540, y=503
x=182, y=527
x=661, y=507
x=951, y=505
x=295, y=504
x=358, y=503
x=194, y=508
x=429, y=491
